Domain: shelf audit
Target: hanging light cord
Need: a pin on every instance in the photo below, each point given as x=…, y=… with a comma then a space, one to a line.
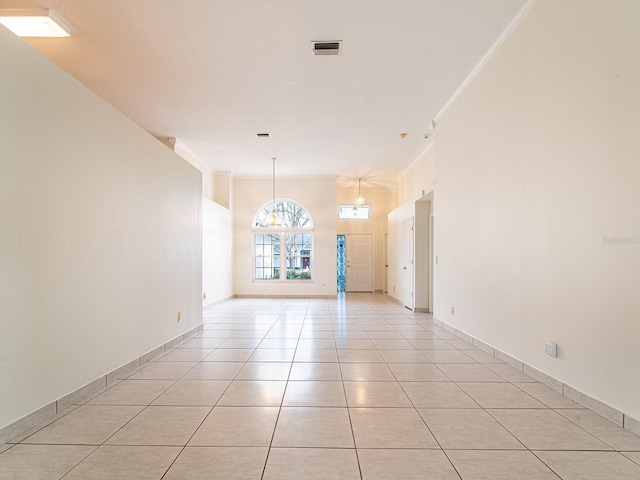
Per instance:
x=274, y=181
x=359, y=199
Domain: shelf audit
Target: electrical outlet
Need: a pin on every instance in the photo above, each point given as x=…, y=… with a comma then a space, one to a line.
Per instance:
x=551, y=348
x=453, y=310
x=179, y=317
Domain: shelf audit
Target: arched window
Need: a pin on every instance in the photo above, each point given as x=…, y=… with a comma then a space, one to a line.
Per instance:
x=294, y=231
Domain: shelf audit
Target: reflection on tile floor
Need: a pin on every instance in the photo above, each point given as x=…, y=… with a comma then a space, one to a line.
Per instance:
x=353, y=388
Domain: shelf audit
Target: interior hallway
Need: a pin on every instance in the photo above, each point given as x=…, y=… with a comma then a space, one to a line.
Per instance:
x=354, y=388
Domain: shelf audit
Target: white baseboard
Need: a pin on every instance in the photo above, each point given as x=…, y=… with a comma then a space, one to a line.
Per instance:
x=616, y=416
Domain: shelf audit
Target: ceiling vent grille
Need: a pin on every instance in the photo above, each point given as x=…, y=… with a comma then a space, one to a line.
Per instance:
x=327, y=48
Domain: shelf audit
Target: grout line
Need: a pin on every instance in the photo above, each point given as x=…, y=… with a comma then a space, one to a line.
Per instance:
x=367, y=321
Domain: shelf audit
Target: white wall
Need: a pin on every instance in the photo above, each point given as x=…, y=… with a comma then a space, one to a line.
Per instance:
x=100, y=238
x=537, y=198
x=318, y=196
x=418, y=178
x=421, y=254
x=217, y=241
x=208, y=187
x=217, y=237
x=381, y=203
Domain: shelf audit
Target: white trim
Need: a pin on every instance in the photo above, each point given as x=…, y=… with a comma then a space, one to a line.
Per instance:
x=598, y=406
x=485, y=59
x=188, y=156
x=17, y=431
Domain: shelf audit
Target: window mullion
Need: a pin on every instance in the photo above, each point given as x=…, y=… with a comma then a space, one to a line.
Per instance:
x=283, y=258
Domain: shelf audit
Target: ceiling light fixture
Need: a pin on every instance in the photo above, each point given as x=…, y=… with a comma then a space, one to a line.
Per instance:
x=274, y=219
x=359, y=199
x=34, y=23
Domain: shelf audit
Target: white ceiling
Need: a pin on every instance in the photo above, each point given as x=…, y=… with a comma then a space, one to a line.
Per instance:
x=212, y=73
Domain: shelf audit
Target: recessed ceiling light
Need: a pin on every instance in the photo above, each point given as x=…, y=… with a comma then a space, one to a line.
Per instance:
x=34, y=23
x=263, y=135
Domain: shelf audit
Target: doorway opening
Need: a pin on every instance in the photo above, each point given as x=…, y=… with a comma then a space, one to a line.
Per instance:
x=424, y=236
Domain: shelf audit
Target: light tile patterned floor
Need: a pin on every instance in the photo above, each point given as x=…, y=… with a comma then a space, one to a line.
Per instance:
x=355, y=388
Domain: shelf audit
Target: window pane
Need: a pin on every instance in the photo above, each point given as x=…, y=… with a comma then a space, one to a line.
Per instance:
x=266, y=264
x=266, y=273
x=350, y=212
x=297, y=245
x=298, y=268
x=291, y=214
x=306, y=268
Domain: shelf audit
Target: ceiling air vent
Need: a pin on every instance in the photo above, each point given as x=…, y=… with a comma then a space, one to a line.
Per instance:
x=327, y=48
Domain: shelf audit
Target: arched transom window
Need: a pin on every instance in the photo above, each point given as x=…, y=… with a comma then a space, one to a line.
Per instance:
x=293, y=231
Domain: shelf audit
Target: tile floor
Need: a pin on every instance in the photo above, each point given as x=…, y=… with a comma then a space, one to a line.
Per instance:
x=355, y=388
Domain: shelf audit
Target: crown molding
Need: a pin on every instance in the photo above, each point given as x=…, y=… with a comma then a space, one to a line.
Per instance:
x=485, y=59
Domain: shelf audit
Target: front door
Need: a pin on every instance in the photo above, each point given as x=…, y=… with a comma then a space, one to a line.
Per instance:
x=359, y=263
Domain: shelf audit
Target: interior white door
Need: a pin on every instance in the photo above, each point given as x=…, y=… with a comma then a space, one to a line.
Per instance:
x=359, y=263
x=385, y=260
x=431, y=264
x=407, y=267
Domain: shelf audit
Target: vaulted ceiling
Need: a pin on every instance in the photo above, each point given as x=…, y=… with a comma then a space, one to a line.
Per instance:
x=213, y=73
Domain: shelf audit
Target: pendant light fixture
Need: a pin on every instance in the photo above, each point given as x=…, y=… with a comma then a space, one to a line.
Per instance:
x=359, y=199
x=274, y=218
